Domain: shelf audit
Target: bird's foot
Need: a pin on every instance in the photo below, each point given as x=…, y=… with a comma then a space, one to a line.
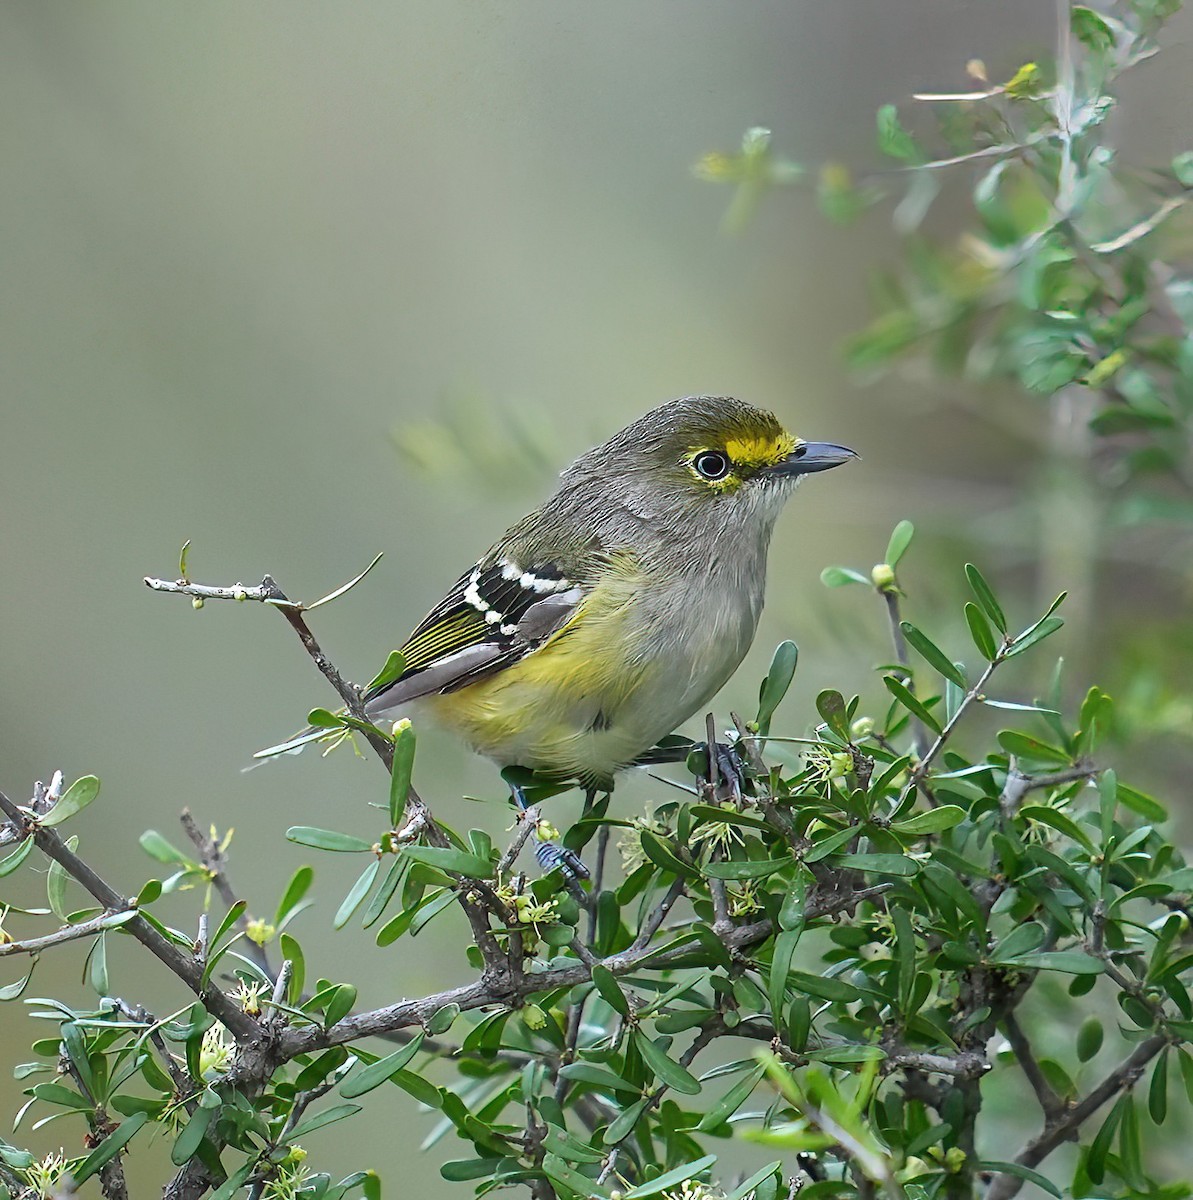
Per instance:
x=551, y=855
x=724, y=772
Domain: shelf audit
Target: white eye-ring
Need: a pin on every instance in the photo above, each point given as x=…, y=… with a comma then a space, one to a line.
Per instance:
x=711, y=464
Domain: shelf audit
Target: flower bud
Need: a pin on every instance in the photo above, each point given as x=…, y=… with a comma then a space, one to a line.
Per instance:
x=882, y=576
x=196, y=602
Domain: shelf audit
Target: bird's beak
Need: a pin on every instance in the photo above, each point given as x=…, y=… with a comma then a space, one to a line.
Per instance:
x=808, y=457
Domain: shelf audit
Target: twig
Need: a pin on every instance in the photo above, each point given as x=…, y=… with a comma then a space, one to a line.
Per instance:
x=68, y=933
x=190, y=973
x=270, y=593
x=1060, y=1128
x=527, y=820
x=927, y=758
x=919, y=732
x=1018, y=785
x=214, y=862
x=1050, y=1102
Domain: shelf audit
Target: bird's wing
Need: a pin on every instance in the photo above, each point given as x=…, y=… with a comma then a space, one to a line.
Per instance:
x=494, y=615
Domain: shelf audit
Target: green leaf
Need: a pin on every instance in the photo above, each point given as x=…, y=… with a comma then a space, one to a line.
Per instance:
x=881, y=864
x=979, y=630
x=985, y=597
x=933, y=655
x=1071, y=962
x=732, y=1100
x=292, y=953
x=375, y=1074
x=1089, y=1038
x=902, y=534
x=749, y=1185
x=403, y=767
x=670, y=1178
x=1091, y=29
x=159, y=848
x=572, y=1180
x=610, y=991
x=1037, y=633
x=1032, y=749
x=780, y=965
x=660, y=852
x=347, y=587
x=442, y=1019
x=18, y=856
x=778, y=680
x=1140, y=802
x=296, y=889
x=395, y=664
x=835, y=577
x=186, y=1145
x=746, y=868
x=448, y=858
x=77, y=797
x=622, y=1125
x=900, y=691
x=56, y=880
x=356, y=894
x=322, y=718
x=235, y=1181
x=935, y=820
x=667, y=1069
x=109, y=1147
x=339, y=1006
x=830, y=704
x=97, y=967
x=1022, y=1172
x=1157, y=1092
x=327, y=839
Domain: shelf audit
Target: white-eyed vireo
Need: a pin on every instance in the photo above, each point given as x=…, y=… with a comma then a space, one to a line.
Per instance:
x=609, y=615
x=613, y=612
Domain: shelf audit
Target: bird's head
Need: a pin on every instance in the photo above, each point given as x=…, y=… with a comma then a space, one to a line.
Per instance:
x=708, y=453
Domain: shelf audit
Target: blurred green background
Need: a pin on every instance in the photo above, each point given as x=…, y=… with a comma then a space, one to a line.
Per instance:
x=245, y=242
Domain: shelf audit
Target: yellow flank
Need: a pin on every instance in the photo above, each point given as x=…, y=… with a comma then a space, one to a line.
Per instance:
x=557, y=710
x=760, y=451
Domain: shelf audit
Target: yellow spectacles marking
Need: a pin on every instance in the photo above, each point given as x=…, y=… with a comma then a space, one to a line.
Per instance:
x=760, y=451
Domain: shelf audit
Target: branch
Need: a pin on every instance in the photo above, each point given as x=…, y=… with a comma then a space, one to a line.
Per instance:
x=919, y=733
x=1063, y=1126
x=214, y=863
x=1050, y=1102
x=501, y=988
x=68, y=933
x=238, y=1023
x=269, y=593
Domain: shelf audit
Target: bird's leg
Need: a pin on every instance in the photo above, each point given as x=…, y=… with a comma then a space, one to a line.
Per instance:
x=551, y=855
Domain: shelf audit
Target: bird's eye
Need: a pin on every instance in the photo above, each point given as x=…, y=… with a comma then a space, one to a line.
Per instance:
x=712, y=464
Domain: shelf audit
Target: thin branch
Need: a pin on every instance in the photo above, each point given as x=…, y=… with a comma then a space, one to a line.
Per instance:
x=268, y=592
x=1050, y=1102
x=500, y=988
x=190, y=973
x=214, y=862
x=68, y=933
x=919, y=731
x=929, y=757
x=1065, y=1124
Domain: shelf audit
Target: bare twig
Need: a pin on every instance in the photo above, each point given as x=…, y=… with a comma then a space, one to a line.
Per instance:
x=68, y=933
x=189, y=972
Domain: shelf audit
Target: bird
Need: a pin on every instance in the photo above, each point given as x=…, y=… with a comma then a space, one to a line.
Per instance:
x=604, y=619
